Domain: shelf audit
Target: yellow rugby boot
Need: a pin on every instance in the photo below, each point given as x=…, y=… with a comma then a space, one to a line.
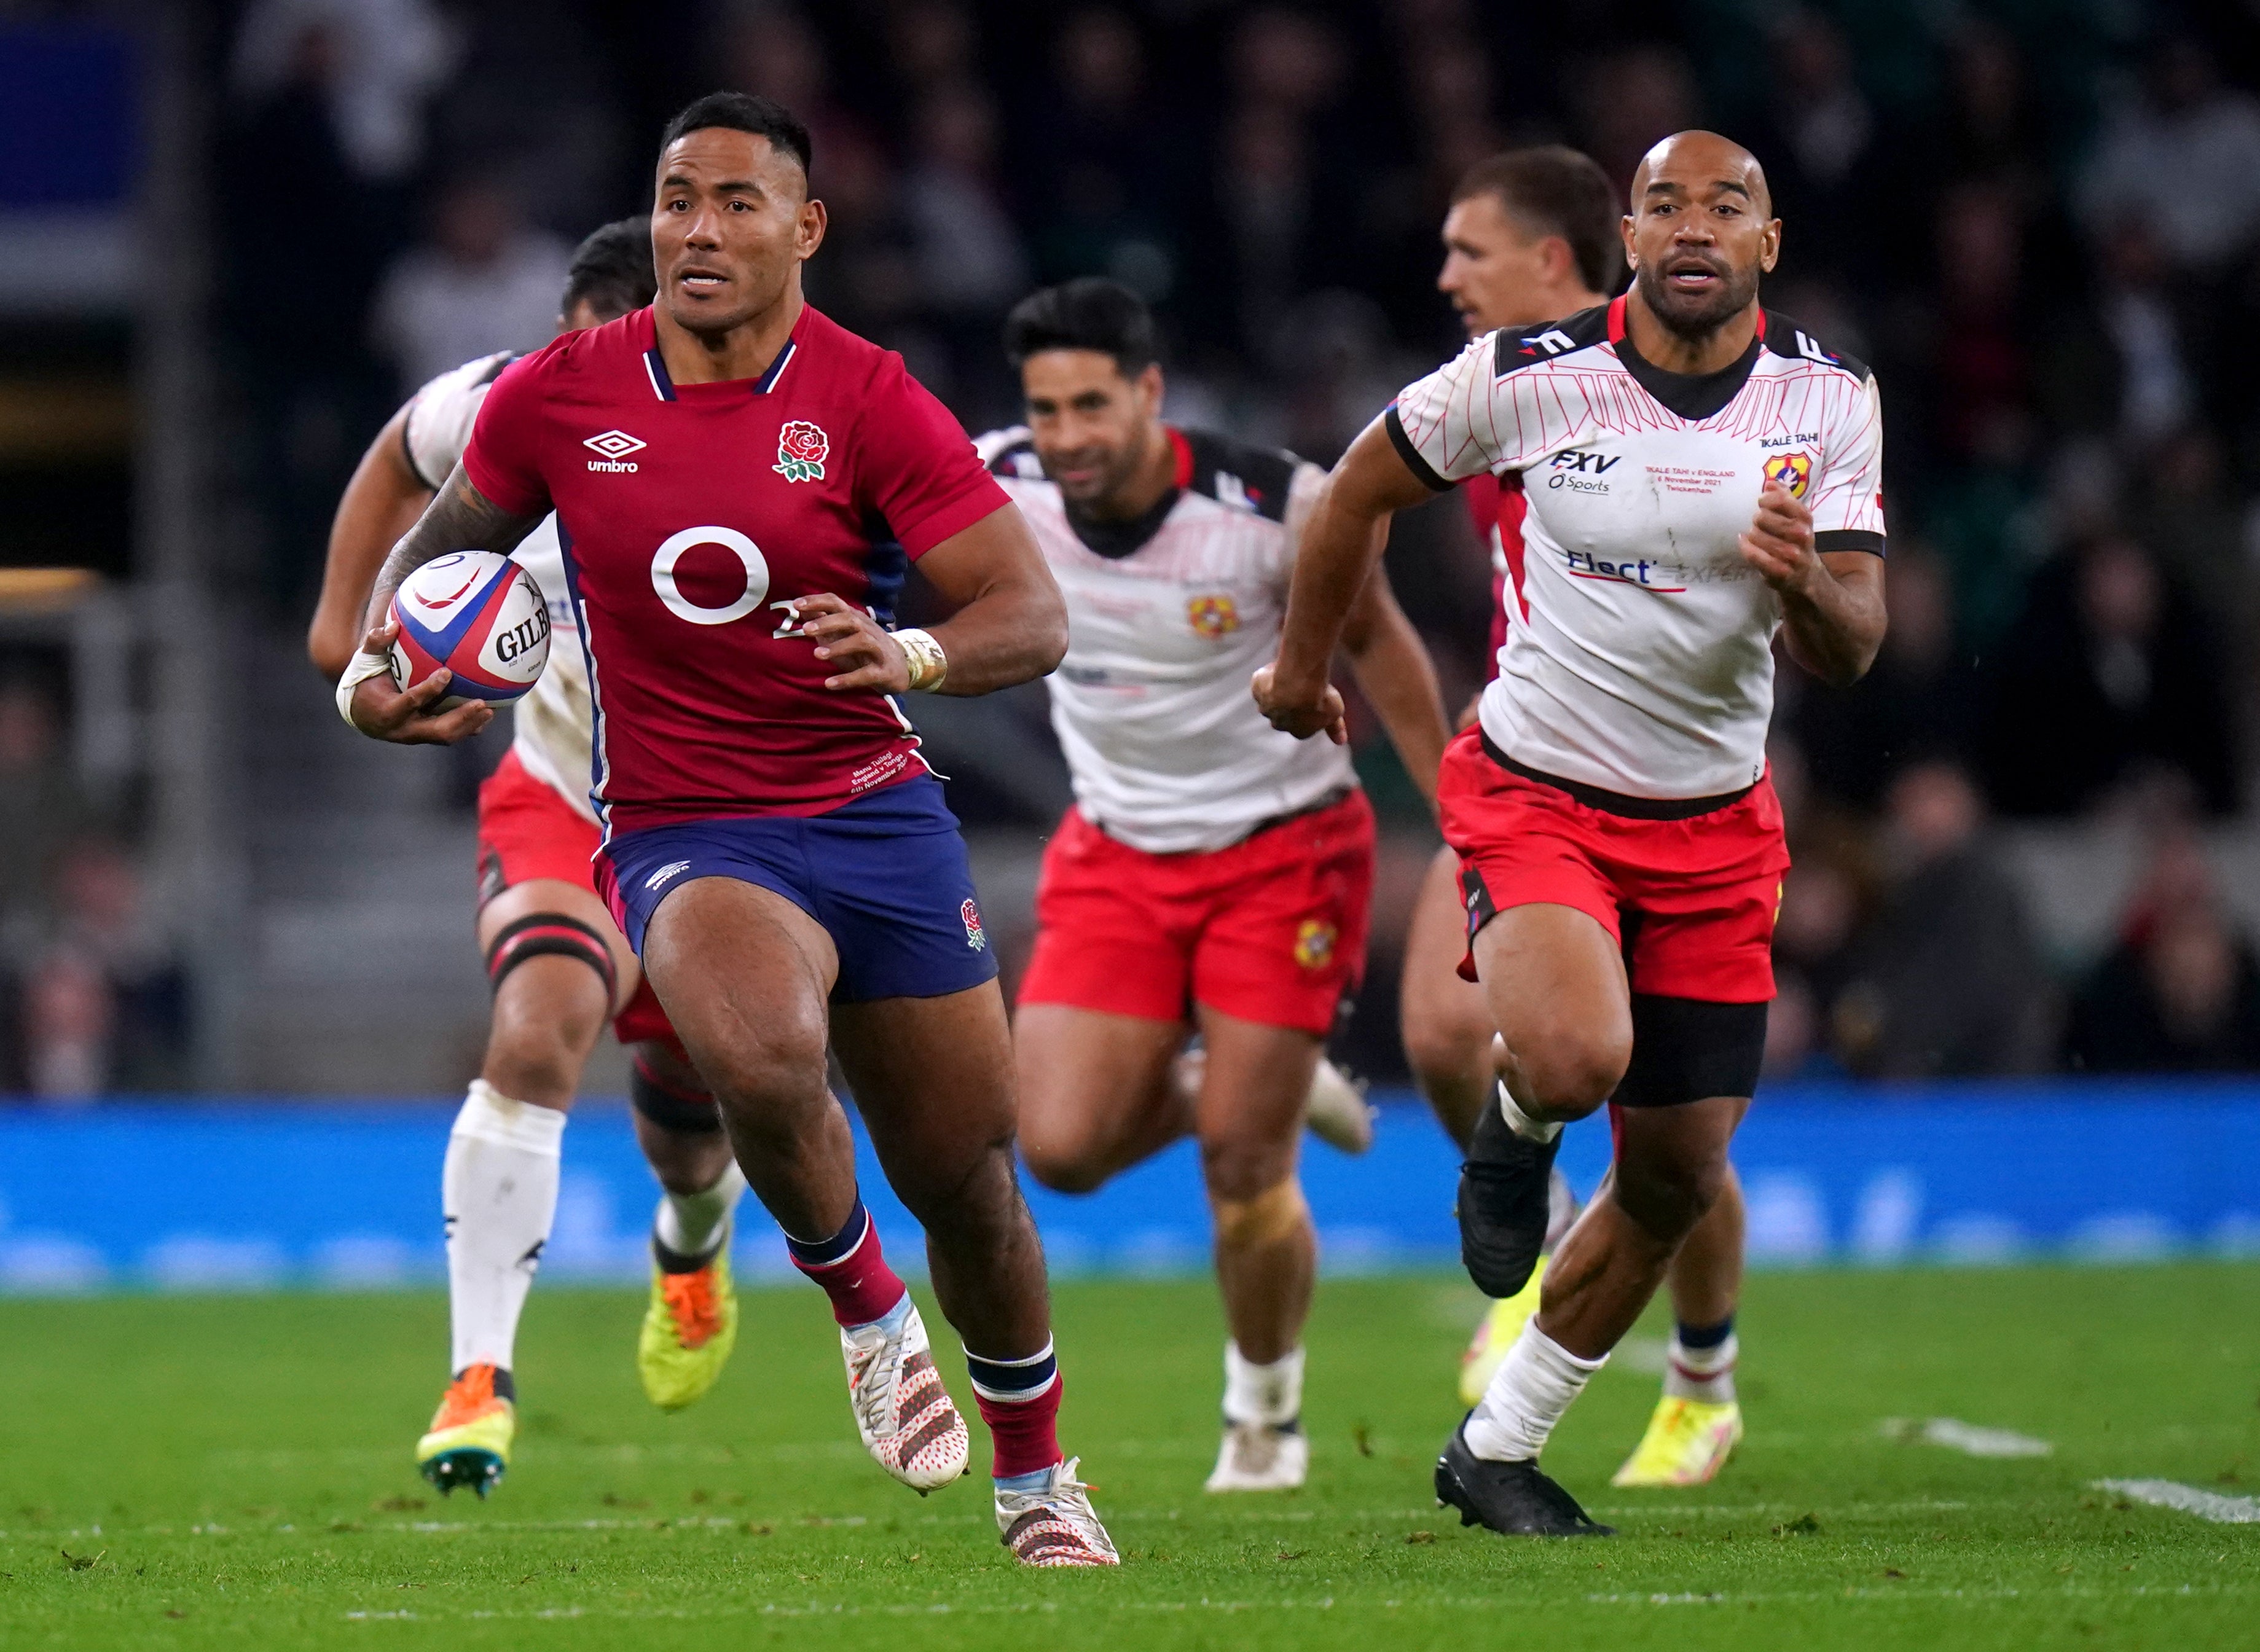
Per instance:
x=1687, y=1442
x=688, y=1332
x=1495, y=1334
x=469, y=1440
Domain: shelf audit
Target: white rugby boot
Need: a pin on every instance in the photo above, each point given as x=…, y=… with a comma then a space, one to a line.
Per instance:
x=905, y=1417
x=1053, y=1524
x=1261, y=1457
x=1337, y=1111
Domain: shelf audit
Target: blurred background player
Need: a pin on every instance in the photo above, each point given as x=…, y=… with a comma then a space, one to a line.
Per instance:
x=778, y=853
x=558, y=965
x=1213, y=878
x=1622, y=849
x=1534, y=235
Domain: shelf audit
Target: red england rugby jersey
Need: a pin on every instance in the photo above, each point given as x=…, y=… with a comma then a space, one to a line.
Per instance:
x=690, y=515
x=1496, y=510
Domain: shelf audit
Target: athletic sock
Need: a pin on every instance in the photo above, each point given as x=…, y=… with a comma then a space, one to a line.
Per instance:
x=691, y=1227
x=1532, y=1388
x=1521, y=1122
x=498, y=1190
x=1702, y=1362
x=1019, y=1400
x=852, y=1268
x=1271, y=1395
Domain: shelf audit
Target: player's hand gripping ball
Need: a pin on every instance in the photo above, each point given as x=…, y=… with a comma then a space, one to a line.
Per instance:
x=479, y=615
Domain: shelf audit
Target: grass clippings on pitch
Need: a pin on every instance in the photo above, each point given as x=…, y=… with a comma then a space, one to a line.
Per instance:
x=233, y=1473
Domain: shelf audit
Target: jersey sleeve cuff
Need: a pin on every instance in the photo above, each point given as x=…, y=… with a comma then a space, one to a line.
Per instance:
x=1413, y=462
x=504, y=495
x=952, y=517
x=1848, y=539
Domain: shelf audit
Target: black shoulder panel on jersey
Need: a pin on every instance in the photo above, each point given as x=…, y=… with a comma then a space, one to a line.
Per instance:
x=1784, y=337
x=1526, y=346
x=1239, y=473
x=1005, y=461
x=495, y=368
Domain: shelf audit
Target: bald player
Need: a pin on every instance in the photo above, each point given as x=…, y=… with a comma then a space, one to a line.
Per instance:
x=1701, y=475
x=1534, y=234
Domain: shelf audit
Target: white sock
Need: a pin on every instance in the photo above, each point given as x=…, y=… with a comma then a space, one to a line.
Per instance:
x=499, y=1191
x=1269, y=1394
x=1521, y=1122
x=695, y=1224
x=1532, y=1387
x=1706, y=1373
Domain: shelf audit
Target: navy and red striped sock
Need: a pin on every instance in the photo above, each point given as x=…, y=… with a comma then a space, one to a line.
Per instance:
x=1019, y=1400
x=852, y=1268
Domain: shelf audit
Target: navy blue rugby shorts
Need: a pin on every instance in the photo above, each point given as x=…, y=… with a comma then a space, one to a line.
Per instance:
x=886, y=874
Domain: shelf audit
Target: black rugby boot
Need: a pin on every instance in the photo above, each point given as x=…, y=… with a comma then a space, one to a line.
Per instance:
x=1512, y=1498
x=1506, y=1189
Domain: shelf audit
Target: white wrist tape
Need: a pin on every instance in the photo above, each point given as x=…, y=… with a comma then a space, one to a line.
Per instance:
x=928, y=664
x=363, y=666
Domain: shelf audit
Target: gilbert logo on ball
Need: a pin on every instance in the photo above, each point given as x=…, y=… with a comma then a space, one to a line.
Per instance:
x=479, y=615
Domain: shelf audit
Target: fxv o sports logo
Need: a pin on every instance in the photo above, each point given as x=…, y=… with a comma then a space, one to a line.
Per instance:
x=1576, y=470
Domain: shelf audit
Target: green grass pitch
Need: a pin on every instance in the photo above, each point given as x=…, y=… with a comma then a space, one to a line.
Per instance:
x=233, y=1472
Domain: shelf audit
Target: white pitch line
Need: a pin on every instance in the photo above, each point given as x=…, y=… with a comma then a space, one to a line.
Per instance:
x=1966, y=1437
x=2206, y=1506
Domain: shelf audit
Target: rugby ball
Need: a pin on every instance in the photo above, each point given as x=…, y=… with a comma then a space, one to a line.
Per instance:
x=479, y=615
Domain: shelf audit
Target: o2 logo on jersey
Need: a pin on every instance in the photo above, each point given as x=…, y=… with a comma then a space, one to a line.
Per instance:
x=1212, y=617
x=1791, y=472
x=801, y=450
x=1314, y=943
x=680, y=604
x=976, y=937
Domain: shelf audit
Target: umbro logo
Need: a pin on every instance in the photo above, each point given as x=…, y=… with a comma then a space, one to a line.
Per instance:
x=615, y=446
x=667, y=874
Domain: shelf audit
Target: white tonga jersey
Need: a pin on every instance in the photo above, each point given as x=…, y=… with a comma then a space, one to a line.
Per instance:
x=551, y=726
x=1168, y=618
x=1638, y=650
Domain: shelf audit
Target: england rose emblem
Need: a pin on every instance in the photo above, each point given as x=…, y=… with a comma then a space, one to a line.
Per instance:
x=801, y=448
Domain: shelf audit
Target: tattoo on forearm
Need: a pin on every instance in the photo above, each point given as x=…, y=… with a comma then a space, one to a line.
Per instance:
x=459, y=518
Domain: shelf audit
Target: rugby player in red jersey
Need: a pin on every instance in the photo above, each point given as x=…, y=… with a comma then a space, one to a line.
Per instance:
x=1532, y=235
x=557, y=963
x=1701, y=475
x=1214, y=874
x=739, y=485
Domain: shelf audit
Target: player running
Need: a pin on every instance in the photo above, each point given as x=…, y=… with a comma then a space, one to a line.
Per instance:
x=1213, y=876
x=1699, y=475
x=740, y=484
x=558, y=965
x=1533, y=234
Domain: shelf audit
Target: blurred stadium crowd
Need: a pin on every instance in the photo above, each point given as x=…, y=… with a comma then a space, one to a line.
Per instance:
x=2040, y=221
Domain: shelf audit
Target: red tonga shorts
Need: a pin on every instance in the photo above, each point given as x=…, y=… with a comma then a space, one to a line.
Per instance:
x=1690, y=902
x=528, y=831
x=1271, y=929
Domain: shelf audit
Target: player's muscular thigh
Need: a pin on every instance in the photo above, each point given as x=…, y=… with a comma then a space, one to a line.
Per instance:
x=1556, y=983
x=1088, y=1083
x=744, y=975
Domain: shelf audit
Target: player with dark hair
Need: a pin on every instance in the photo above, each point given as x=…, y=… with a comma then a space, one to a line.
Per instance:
x=1701, y=475
x=1213, y=876
x=739, y=485
x=557, y=963
x=1533, y=234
